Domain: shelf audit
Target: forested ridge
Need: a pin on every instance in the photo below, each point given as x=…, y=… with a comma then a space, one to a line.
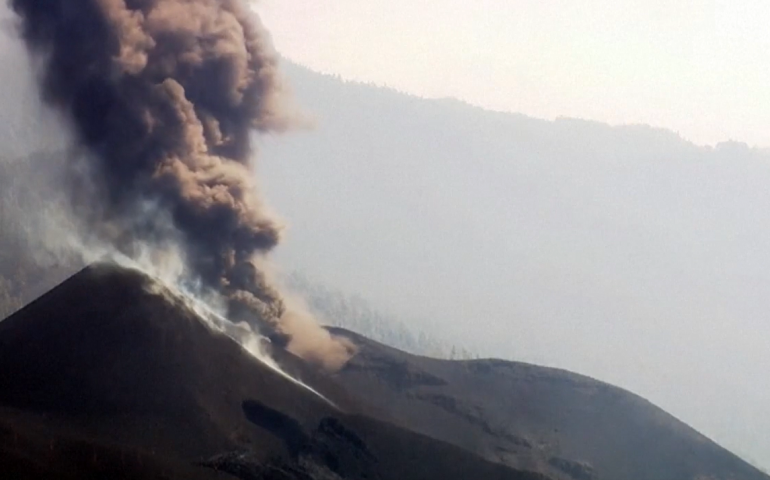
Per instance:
x=353, y=312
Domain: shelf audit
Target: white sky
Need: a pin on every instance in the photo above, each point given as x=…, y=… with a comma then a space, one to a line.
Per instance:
x=699, y=67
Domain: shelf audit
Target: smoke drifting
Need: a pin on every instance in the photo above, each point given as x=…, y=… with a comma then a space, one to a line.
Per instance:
x=164, y=96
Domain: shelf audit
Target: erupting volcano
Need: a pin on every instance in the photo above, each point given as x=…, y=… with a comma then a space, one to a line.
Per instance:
x=164, y=98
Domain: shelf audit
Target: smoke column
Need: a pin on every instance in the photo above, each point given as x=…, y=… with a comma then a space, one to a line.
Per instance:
x=164, y=96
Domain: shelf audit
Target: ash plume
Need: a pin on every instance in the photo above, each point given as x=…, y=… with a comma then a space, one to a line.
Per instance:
x=163, y=98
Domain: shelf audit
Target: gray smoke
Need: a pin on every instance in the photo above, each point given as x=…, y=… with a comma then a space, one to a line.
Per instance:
x=163, y=97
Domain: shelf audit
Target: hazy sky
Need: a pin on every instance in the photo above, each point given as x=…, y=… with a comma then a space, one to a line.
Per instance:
x=699, y=67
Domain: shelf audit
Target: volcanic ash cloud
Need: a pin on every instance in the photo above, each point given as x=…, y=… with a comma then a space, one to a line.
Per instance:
x=164, y=96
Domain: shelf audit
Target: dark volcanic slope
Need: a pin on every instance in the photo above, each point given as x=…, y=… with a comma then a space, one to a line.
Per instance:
x=108, y=377
x=537, y=418
x=103, y=349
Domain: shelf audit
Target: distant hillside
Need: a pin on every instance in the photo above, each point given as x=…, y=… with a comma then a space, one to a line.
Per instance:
x=352, y=312
x=562, y=242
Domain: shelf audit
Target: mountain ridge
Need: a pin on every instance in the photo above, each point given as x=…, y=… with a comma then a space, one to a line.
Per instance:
x=564, y=243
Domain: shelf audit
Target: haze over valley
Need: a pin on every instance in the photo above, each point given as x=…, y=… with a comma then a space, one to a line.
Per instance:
x=625, y=253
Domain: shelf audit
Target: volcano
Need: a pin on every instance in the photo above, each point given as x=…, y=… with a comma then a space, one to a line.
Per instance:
x=112, y=375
